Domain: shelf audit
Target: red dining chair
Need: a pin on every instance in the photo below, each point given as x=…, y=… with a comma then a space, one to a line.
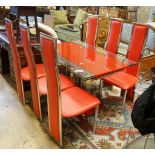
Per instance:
x=16, y=61
x=70, y=102
x=21, y=73
x=65, y=81
x=127, y=79
x=32, y=70
x=114, y=35
x=92, y=26
x=25, y=70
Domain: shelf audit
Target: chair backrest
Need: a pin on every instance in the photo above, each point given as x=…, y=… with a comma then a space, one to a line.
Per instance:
x=32, y=69
x=16, y=61
x=92, y=26
x=114, y=35
x=49, y=47
x=137, y=43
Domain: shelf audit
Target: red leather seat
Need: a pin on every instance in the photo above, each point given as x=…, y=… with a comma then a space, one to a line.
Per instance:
x=67, y=103
x=122, y=80
x=26, y=74
x=65, y=83
x=76, y=101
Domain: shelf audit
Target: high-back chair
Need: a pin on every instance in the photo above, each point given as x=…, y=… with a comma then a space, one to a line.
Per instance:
x=36, y=80
x=20, y=73
x=66, y=103
x=136, y=46
x=32, y=70
x=127, y=79
x=114, y=35
x=16, y=61
x=92, y=26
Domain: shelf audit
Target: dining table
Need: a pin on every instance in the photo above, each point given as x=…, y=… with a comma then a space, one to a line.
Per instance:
x=89, y=62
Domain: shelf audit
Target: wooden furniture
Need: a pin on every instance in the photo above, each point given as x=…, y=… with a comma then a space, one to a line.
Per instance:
x=26, y=11
x=131, y=12
x=3, y=13
x=146, y=64
x=112, y=12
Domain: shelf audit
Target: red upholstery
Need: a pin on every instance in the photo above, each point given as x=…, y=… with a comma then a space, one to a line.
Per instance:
x=126, y=80
x=32, y=71
x=54, y=105
x=137, y=42
x=92, y=30
x=76, y=101
x=16, y=62
x=65, y=83
x=26, y=74
x=122, y=80
x=114, y=35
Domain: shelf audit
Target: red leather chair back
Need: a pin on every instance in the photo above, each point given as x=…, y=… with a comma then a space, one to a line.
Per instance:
x=92, y=26
x=31, y=65
x=114, y=35
x=49, y=48
x=137, y=43
x=16, y=62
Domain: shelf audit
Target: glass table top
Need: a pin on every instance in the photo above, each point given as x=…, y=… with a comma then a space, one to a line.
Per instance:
x=87, y=61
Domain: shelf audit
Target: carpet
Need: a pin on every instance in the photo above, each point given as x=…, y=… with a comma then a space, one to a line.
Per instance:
x=114, y=128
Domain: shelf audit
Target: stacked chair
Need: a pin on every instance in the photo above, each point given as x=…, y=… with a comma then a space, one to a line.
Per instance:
x=22, y=74
x=65, y=82
x=63, y=97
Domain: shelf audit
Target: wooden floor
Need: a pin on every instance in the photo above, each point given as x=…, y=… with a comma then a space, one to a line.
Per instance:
x=19, y=127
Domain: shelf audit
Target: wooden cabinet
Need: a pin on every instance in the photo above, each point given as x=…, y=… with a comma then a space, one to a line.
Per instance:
x=146, y=64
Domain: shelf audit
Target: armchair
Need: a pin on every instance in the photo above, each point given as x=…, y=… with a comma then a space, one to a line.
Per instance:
x=67, y=31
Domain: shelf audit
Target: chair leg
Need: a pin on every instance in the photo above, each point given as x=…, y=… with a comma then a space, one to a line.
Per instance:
x=100, y=89
x=95, y=119
x=24, y=102
x=128, y=138
x=124, y=99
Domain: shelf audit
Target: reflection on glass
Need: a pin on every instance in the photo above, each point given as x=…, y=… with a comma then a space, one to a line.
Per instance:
x=90, y=53
x=87, y=61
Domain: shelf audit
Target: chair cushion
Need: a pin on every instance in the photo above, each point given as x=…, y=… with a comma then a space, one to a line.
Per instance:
x=65, y=83
x=122, y=80
x=80, y=17
x=60, y=16
x=26, y=74
x=76, y=101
